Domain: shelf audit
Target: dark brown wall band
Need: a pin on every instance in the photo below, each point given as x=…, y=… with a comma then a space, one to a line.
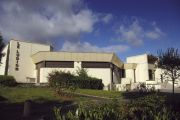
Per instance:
x=95, y=65
x=55, y=64
x=61, y=64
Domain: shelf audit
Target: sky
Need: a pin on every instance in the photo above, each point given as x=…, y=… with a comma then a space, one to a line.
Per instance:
x=126, y=27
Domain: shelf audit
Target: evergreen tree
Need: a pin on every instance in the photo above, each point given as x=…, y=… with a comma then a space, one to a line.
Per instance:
x=1, y=47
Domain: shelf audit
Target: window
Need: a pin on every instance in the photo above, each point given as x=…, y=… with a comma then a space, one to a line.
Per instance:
x=55, y=64
x=123, y=73
x=95, y=65
x=151, y=75
x=59, y=64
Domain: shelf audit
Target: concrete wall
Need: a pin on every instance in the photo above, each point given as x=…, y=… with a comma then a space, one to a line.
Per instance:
x=24, y=61
x=130, y=74
x=101, y=73
x=142, y=73
x=141, y=69
x=44, y=72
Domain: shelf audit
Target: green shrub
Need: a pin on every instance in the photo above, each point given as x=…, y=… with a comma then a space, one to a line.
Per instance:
x=101, y=112
x=82, y=74
x=66, y=80
x=7, y=81
x=60, y=78
x=147, y=108
x=88, y=83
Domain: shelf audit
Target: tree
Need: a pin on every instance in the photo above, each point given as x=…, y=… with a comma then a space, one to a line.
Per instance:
x=169, y=61
x=82, y=73
x=1, y=47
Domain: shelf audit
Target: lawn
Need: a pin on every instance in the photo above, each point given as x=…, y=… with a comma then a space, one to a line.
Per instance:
x=44, y=99
x=20, y=94
x=100, y=93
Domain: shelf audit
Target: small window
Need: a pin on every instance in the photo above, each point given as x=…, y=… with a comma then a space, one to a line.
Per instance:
x=151, y=75
x=123, y=73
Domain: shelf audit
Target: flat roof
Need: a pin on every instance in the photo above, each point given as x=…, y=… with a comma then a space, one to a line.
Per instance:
x=77, y=56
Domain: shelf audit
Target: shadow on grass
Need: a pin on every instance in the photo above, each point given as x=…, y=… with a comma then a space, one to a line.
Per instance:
x=170, y=99
x=134, y=95
x=40, y=108
x=3, y=99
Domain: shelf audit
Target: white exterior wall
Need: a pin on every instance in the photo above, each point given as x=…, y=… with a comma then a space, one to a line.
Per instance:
x=142, y=74
x=26, y=65
x=130, y=74
x=101, y=73
x=44, y=72
x=141, y=68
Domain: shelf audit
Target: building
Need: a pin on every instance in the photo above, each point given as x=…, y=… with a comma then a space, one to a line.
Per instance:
x=32, y=62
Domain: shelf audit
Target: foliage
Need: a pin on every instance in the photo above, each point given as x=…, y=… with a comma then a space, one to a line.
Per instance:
x=101, y=112
x=60, y=78
x=152, y=59
x=62, y=81
x=141, y=87
x=7, y=81
x=1, y=47
x=169, y=61
x=82, y=74
x=69, y=81
x=146, y=108
x=88, y=84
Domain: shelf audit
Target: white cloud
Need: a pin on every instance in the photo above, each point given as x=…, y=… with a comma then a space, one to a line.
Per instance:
x=87, y=47
x=156, y=33
x=107, y=18
x=135, y=33
x=44, y=20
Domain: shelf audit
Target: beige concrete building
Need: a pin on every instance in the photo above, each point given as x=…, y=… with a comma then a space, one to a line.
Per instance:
x=32, y=62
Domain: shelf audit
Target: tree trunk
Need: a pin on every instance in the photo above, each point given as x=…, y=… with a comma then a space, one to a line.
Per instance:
x=173, y=85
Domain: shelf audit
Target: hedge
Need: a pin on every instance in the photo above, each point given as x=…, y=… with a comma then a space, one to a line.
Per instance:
x=88, y=84
x=7, y=81
x=83, y=84
x=67, y=79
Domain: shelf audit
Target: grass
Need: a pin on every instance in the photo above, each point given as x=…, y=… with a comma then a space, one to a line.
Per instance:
x=20, y=94
x=100, y=93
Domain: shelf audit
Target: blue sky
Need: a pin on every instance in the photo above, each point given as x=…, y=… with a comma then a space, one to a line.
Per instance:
x=126, y=27
x=165, y=13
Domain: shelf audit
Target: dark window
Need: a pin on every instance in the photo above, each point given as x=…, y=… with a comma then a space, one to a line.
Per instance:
x=123, y=73
x=60, y=64
x=151, y=75
x=95, y=65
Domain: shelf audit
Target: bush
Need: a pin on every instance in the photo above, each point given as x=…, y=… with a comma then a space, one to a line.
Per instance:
x=101, y=112
x=7, y=81
x=82, y=74
x=88, y=84
x=147, y=108
x=66, y=80
x=60, y=78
